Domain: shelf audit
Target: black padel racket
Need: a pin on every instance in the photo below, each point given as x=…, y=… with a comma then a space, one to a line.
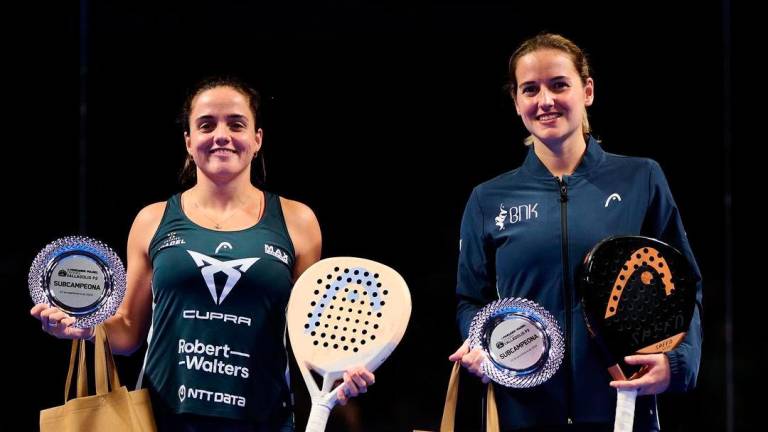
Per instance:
x=638, y=295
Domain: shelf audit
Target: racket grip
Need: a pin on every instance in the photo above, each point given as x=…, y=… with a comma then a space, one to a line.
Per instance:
x=625, y=410
x=318, y=417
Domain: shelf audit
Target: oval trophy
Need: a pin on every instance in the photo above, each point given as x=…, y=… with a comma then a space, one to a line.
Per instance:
x=81, y=276
x=522, y=341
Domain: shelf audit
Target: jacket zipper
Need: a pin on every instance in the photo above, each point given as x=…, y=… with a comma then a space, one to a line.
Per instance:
x=562, y=186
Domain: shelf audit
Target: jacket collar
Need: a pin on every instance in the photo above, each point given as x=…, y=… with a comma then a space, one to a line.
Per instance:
x=593, y=156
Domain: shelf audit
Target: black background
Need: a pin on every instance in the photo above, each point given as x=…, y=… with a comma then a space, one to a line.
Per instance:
x=381, y=116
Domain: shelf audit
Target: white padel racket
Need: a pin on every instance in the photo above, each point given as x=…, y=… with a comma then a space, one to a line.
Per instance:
x=344, y=312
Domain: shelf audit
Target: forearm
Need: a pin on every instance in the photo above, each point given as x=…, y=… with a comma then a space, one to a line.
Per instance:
x=125, y=335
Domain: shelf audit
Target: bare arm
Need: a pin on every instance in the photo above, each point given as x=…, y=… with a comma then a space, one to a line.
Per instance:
x=304, y=231
x=129, y=326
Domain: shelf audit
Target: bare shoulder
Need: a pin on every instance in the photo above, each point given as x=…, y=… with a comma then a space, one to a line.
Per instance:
x=150, y=216
x=298, y=215
x=304, y=230
x=145, y=224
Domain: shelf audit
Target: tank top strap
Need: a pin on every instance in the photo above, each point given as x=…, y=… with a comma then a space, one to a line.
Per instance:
x=273, y=217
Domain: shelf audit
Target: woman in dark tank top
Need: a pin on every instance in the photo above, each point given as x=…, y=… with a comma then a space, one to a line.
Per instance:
x=209, y=276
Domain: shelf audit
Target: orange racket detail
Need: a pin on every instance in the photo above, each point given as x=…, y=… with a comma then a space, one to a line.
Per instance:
x=344, y=312
x=646, y=257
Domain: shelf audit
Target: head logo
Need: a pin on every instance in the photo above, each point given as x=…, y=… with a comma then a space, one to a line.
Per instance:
x=210, y=266
x=182, y=393
x=612, y=197
x=223, y=245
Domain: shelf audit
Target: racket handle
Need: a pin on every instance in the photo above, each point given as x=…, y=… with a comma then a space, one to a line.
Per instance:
x=318, y=417
x=625, y=410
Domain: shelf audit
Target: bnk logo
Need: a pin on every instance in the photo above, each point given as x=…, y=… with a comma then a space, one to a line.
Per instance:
x=232, y=269
x=515, y=214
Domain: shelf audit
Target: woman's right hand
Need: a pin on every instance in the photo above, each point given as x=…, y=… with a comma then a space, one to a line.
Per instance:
x=58, y=323
x=472, y=360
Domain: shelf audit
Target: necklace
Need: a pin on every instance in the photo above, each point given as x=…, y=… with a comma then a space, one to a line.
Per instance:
x=218, y=224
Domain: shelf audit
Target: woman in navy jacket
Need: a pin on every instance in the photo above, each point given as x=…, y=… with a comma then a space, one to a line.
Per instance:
x=525, y=232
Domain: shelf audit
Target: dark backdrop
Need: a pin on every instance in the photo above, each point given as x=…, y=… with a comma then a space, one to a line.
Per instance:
x=381, y=116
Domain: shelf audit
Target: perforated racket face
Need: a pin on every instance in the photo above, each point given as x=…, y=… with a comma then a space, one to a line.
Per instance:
x=638, y=295
x=347, y=311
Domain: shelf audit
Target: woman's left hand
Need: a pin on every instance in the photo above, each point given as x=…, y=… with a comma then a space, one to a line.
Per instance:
x=653, y=377
x=356, y=381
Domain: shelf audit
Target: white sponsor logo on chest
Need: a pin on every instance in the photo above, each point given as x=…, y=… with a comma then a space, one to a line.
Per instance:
x=276, y=252
x=515, y=214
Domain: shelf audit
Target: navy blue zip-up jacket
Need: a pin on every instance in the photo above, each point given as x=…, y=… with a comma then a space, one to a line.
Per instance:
x=525, y=233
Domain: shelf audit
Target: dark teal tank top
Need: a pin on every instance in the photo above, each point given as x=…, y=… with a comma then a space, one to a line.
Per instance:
x=218, y=322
